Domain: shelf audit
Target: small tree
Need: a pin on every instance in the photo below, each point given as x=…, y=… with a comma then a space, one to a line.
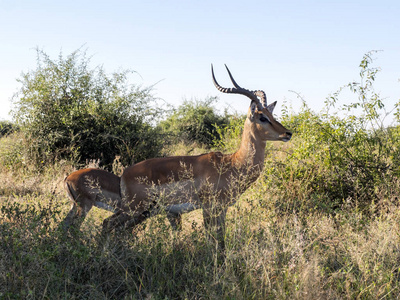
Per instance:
x=67, y=110
x=342, y=155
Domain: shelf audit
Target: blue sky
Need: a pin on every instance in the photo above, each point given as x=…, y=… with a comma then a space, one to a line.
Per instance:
x=311, y=47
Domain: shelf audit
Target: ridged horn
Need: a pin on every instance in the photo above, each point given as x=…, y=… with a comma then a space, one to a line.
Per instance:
x=253, y=95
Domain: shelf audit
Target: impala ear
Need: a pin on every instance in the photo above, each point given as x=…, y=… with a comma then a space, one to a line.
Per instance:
x=271, y=107
x=253, y=108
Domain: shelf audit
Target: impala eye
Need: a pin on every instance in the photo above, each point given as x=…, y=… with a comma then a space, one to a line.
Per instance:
x=264, y=119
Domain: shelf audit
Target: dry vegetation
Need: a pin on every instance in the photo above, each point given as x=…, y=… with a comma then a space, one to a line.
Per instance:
x=273, y=250
x=321, y=222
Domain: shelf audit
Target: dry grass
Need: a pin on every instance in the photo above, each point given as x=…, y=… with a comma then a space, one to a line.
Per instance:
x=272, y=253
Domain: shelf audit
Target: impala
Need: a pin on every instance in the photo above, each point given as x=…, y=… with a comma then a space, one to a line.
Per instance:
x=95, y=187
x=211, y=181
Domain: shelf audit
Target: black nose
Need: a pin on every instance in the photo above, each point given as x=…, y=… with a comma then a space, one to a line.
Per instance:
x=288, y=133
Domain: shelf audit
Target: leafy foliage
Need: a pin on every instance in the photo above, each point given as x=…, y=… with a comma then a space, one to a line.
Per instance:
x=67, y=110
x=230, y=135
x=343, y=158
x=322, y=222
x=195, y=121
x=7, y=128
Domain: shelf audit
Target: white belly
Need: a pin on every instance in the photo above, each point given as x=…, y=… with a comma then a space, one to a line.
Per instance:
x=178, y=209
x=182, y=195
x=105, y=206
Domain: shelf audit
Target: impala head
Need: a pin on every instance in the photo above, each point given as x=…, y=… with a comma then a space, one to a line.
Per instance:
x=260, y=113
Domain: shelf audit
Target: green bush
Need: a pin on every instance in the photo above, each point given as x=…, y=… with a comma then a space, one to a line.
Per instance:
x=338, y=159
x=67, y=110
x=195, y=121
x=12, y=152
x=6, y=128
x=230, y=135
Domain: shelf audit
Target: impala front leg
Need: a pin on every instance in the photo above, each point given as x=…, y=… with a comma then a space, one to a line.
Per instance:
x=214, y=223
x=117, y=220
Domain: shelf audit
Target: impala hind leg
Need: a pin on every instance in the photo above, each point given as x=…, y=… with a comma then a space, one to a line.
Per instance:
x=114, y=221
x=75, y=216
x=121, y=220
x=175, y=220
x=175, y=211
x=68, y=220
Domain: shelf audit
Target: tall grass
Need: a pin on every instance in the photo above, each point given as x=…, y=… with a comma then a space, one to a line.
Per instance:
x=269, y=255
x=321, y=222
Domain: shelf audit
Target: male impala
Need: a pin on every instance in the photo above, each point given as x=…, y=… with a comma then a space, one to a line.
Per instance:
x=95, y=187
x=211, y=181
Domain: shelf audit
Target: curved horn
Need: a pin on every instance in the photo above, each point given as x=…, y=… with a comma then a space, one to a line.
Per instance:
x=233, y=80
x=253, y=95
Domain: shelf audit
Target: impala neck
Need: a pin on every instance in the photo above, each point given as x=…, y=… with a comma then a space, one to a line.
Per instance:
x=252, y=149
